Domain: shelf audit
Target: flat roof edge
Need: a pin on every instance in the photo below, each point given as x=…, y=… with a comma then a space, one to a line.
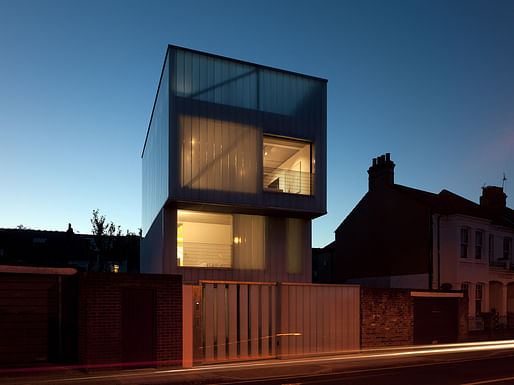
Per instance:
x=155, y=100
x=172, y=46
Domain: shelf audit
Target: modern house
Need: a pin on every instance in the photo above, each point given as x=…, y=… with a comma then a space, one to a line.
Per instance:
x=401, y=237
x=234, y=170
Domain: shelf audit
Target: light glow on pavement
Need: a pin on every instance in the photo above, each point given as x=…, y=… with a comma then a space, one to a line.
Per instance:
x=383, y=353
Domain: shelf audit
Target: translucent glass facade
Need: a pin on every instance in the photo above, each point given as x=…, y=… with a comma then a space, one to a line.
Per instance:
x=233, y=151
x=249, y=242
x=217, y=80
x=296, y=254
x=218, y=155
x=155, y=166
x=222, y=110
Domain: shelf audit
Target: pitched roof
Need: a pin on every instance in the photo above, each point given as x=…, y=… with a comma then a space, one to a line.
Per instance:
x=447, y=203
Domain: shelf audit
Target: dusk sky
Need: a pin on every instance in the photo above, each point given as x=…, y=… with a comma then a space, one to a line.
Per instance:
x=431, y=82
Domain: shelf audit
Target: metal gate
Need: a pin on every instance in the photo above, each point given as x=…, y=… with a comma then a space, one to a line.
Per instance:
x=247, y=320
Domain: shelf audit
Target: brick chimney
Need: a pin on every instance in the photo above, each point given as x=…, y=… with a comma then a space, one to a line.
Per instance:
x=381, y=172
x=493, y=197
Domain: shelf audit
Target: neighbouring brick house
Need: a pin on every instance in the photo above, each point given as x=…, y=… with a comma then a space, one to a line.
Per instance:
x=400, y=237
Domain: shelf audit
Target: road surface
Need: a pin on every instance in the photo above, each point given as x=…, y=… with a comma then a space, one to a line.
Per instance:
x=464, y=364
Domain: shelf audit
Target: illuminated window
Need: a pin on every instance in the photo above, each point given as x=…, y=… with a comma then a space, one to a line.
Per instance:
x=287, y=165
x=204, y=239
x=220, y=240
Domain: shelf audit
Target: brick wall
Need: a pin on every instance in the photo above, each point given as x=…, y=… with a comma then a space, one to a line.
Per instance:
x=100, y=316
x=387, y=317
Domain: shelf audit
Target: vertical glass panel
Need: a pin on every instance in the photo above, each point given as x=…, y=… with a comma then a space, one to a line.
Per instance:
x=204, y=239
x=249, y=241
x=295, y=234
x=155, y=155
x=287, y=165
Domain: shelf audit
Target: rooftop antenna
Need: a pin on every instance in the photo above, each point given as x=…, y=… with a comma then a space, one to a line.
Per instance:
x=503, y=180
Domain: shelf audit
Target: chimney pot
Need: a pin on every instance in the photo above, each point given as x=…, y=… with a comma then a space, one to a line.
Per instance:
x=381, y=173
x=493, y=197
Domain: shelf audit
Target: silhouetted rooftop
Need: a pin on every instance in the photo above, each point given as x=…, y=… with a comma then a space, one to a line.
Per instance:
x=448, y=203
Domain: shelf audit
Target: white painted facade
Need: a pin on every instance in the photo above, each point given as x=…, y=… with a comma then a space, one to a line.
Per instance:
x=487, y=273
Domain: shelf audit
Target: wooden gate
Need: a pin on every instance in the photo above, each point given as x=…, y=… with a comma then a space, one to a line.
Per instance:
x=247, y=320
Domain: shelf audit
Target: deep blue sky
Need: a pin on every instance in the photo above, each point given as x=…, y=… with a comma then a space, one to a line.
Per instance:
x=431, y=82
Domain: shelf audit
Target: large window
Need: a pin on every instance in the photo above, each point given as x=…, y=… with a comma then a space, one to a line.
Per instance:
x=287, y=165
x=220, y=240
x=204, y=239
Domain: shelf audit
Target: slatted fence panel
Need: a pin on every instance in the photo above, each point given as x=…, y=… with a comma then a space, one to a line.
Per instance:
x=319, y=319
x=243, y=320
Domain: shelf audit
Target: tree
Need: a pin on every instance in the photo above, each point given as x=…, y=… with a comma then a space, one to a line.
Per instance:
x=106, y=237
x=112, y=246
